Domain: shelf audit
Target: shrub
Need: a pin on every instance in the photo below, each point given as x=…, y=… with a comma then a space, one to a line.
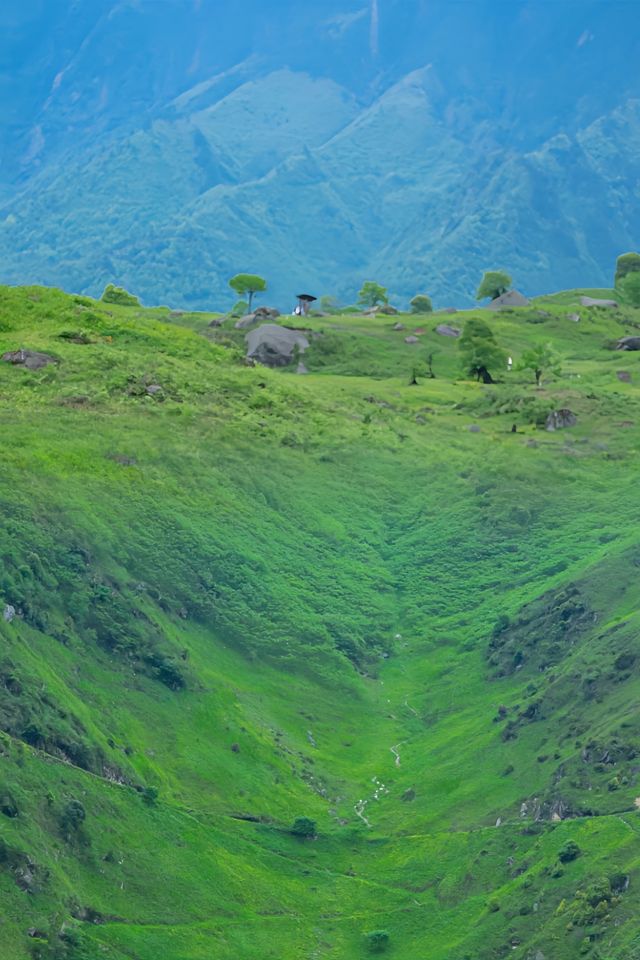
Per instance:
x=73, y=816
x=119, y=295
x=304, y=827
x=377, y=940
x=239, y=309
x=570, y=851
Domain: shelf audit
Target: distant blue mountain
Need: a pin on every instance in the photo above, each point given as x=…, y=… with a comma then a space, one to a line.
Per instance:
x=169, y=145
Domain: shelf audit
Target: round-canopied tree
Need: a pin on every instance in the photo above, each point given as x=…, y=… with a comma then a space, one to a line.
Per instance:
x=493, y=284
x=479, y=352
x=625, y=264
x=421, y=303
x=630, y=288
x=541, y=360
x=372, y=294
x=247, y=285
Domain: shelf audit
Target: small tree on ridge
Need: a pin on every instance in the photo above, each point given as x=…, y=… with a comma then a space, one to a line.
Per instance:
x=247, y=285
x=372, y=294
x=493, y=284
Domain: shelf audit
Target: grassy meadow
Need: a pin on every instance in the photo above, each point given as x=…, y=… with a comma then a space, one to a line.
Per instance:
x=250, y=596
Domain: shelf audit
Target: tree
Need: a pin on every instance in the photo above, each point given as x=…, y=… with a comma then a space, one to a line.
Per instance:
x=421, y=303
x=304, y=827
x=479, y=351
x=247, y=285
x=625, y=264
x=630, y=287
x=540, y=359
x=119, y=295
x=371, y=294
x=494, y=283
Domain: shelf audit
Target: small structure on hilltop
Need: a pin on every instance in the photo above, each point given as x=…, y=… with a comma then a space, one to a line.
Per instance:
x=512, y=298
x=304, y=304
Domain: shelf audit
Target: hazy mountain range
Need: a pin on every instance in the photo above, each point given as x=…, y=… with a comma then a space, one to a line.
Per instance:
x=166, y=146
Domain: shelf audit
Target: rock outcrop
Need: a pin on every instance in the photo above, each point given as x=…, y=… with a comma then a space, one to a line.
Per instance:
x=560, y=420
x=446, y=331
x=594, y=302
x=31, y=359
x=275, y=346
x=512, y=298
x=628, y=343
x=261, y=315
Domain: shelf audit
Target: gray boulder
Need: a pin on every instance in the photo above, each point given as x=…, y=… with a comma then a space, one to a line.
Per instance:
x=446, y=331
x=512, y=298
x=591, y=302
x=574, y=316
x=248, y=320
x=628, y=343
x=623, y=376
x=560, y=420
x=31, y=359
x=384, y=308
x=275, y=346
x=260, y=315
x=398, y=326
x=411, y=339
x=217, y=322
x=9, y=613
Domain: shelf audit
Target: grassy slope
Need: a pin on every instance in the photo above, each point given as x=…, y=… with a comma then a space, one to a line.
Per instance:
x=242, y=536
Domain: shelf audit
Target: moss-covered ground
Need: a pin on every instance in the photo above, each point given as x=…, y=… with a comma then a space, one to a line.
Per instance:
x=252, y=596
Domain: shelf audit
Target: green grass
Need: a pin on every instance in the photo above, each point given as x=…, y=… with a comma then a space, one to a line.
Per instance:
x=245, y=590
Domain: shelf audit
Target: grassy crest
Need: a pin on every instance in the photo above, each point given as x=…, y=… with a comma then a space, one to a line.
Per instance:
x=248, y=597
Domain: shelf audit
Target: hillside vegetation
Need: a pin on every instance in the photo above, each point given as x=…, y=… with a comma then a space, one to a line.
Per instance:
x=317, y=666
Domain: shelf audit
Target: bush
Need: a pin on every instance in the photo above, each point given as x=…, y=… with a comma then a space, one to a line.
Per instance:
x=421, y=303
x=119, y=295
x=377, y=940
x=239, y=309
x=570, y=851
x=73, y=816
x=304, y=827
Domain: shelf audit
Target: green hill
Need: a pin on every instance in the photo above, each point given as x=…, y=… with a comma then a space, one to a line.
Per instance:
x=235, y=597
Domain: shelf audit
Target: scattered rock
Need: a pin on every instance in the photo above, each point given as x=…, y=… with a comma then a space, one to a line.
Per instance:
x=31, y=359
x=411, y=339
x=512, y=298
x=591, y=302
x=574, y=316
x=301, y=369
x=9, y=613
x=628, y=343
x=248, y=320
x=419, y=331
x=474, y=428
x=235, y=748
x=384, y=308
x=532, y=443
x=154, y=389
x=624, y=376
x=560, y=420
x=446, y=331
x=262, y=315
x=445, y=310
x=274, y=346
x=398, y=326
x=217, y=322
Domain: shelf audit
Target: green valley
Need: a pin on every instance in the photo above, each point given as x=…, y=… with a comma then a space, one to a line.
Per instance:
x=317, y=666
